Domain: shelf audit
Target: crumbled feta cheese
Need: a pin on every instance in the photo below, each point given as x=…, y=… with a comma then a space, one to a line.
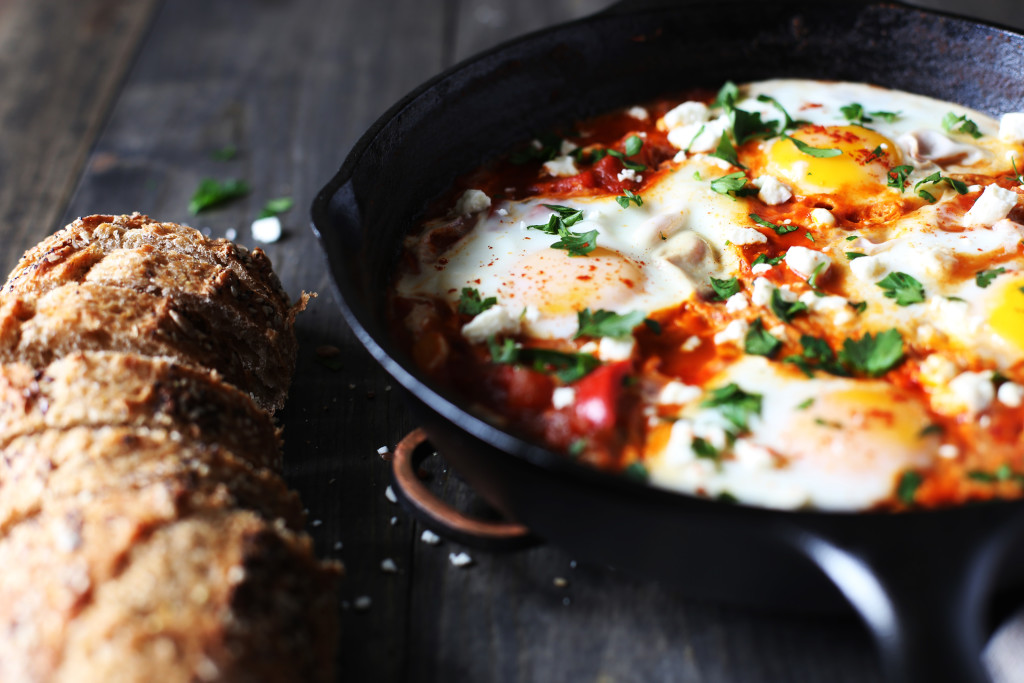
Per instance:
x=713, y=427
x=973, y=390
x=567, y=147
x=502, y=212
x=496, y=320
x=948, y=451
x=740, y=235
x=699, y=137
x=460, y=559
x=677, y=393
x=804, y=262
x=628, y=174
x=638, y=113
x=1011, y=394
x=836, y=306
x=472, y=201
x=266, y=229
x=383, y=450
x=691, y=343
x=751, y=455
x=993, y=204
x=1011, y=127
x=938, y=370
x=762, y=294
x=686, y=114
x=561, y=167
x=563, y=397
x=735, y=331
x=761, y=268
x=362, y=603
x=823, y=217
x=616, y=349
x=429, y=537
x=771, y=190
x=389, y=493
x=590, y=347
x=388, y=566
x=736, y=303
x=230, y=233
x=971, y=189
x=869, y=268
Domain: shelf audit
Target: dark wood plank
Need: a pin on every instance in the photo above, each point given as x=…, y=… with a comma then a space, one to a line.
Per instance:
x=60, y=65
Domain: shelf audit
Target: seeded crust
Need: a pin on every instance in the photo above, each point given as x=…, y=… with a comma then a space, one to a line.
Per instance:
x=43, y=470
x=126, y=283
x=99, y=389
x=110, y=584
x=145, y=530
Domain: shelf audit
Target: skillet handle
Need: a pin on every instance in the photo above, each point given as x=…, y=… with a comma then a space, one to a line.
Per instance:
x=923, y=596
x=438, y=515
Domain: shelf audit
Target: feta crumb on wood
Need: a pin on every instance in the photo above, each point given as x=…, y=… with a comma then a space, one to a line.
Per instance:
x=389, y=493
x=429, y=537
x=460, y=559
x=267, y=229
x=388, y=566
x=472, y=201
x=993, y=205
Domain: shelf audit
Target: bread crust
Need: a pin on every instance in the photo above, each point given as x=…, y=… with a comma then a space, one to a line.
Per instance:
x=101, y=389
x=217, y=305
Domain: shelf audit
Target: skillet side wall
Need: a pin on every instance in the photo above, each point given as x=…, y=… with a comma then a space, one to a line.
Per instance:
x=484, y=106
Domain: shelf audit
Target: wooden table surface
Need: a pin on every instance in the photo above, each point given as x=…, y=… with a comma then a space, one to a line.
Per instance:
x=112, y=107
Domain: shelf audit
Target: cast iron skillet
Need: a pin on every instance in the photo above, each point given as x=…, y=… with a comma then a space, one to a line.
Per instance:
x=921, y=580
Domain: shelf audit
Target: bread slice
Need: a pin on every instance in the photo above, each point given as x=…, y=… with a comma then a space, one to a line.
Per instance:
x=222, y=596
x=157, y=289
x=47, y=469
x=99, y=389
x=193, y=329
x=121, y=588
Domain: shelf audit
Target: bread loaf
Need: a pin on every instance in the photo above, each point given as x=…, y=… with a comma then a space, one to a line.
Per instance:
x=146, y=533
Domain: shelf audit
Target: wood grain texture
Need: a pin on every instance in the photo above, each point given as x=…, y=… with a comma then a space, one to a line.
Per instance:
x=60, y=65
x=292, y=84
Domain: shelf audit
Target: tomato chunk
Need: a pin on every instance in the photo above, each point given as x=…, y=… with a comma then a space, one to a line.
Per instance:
x=597, y=395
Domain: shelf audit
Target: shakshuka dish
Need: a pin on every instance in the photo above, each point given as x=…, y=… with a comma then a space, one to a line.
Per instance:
x=791, y=294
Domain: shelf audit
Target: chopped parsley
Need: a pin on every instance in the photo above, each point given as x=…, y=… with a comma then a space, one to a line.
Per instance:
x=568, y=367
x=960, y=124
x=692, y=140
x=636, y=471
x=760, y=342
x=735, y=404
x=225, y=153
x=936, y=178
x=724, y=288
x=898, y=176
x=853, y=255
x=779, y=229
x=577, y=244
x=544, y=148
x=850, y=238
x=727, y=96
x=734, y=185
x=634, y=143
x=626, y=163
x=211, y=193
x=812, y=281
x=603, y=323
x=785, y=310
x=1016, y=174
x=985, y=277
x=816, y=355
x=274, y=207
x=903, y=288
x=818, y=152
x=906, y=488
x=787, y=121
x=703, y=449
x=470, y=302
x=761, y=258
x=931, y=430
x=748, y=125
x=629, y=196
x=805, y=404
x=873, y=355
x=855, y=113
x=725, y=151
